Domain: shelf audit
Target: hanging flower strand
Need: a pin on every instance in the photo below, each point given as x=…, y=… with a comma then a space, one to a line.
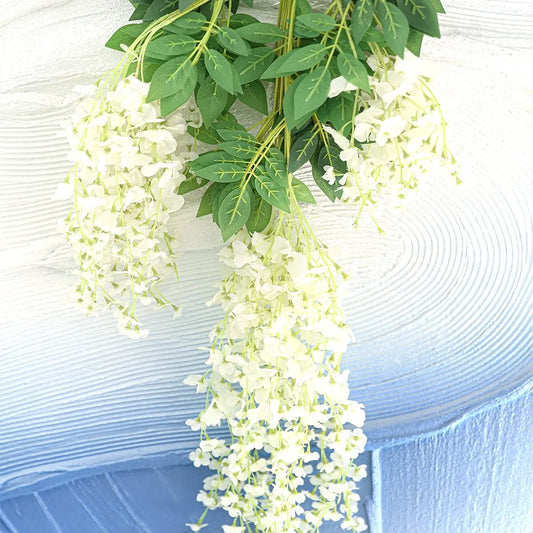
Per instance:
x=211, y=54
x=275, y=380
x=397, y=137
x=128, y=165
x=342, y=103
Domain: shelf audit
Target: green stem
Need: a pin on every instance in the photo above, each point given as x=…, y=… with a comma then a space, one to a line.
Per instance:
x=202, y=45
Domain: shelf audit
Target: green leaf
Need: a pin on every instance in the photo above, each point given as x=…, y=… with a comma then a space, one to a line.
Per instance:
x=232, y=41
x=317, y=172
x=254, y=96
x=328, y=156
x=311, y=92
x=353, y=70
x=222, y=173
x=148, y=70
x=260, y=216
x=334, y=70
x=237, y=88
x=302, y=149
x=332, y=191
x=211, y=100
x=181, y=95
x=126, y=35
x=252, y=66
x=206, y=159
x=157, y=9
x=288, y=106
x=414, y=41
x=339, y=111
x=215, y=157
x=221, y=70
x=261, y=32
x=206, y=204
x=229, y=122
x=191, y=184
x=170, y=46
x=184, y=4
x=303, y=32
x=139, y=12
x=234, y=209
x=302, y=192
x=344, y=45
x=204, y=135
x=215, y=200
x=202, y=72
x=230, y=134
x=241, y=19
x=422, y=15
x=230, y=102
x=361, y=19
x=319, y=22
x=373, y=35
x=172, y=102
x=438, y=6
x=296, y=60
x=303, y=7
x=190, y=23
x=176, y=76
x=239, y=149
x=271, y=191
x=276, y=166
x=394, y=25
x=233, y=5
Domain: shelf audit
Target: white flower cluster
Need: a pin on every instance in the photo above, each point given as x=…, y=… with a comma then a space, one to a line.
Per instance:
x=129, y=163
x=400, y=134
x=275, y=381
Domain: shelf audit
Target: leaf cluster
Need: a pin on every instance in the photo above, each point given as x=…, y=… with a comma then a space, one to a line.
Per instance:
x=210, y=50
x=246, y=181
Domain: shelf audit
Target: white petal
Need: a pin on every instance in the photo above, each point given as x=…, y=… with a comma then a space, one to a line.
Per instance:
x=390, y=129
x=363, y=132
x=341, y=140
x=64, y=191
x=174, y=202
x=339, y=85
x=134, y=195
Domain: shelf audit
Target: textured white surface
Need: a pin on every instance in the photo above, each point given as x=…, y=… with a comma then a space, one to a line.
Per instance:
x=473, y=478
x=439, y=304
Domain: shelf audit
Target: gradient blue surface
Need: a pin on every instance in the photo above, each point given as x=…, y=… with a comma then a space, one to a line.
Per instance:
x=471, y=477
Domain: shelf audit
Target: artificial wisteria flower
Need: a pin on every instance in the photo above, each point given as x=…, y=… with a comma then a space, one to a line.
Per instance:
x=398, y=135
x=129, y=163
x=275, y=380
